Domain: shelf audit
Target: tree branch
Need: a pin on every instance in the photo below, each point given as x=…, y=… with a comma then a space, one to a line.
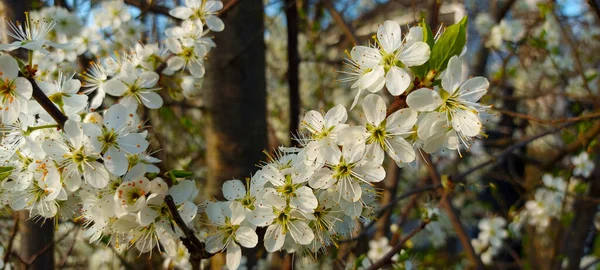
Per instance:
x=446, y=203
x=339, y=20
x=387, y=258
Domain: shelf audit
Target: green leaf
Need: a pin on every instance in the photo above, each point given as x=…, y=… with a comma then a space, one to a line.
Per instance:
x=181, y=173
x=5, y=172
x=450, y=43
x=428, y=36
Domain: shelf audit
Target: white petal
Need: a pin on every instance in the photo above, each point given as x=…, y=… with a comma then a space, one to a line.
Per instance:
x=304, y=200
x=261, y=216
x=151, y=100
x=389, y=36
x=397, y=80
x=415, y=34
x=115, y=87
x=322, y=179
x=374, y=108
x=9, y=69
x=365, y=57
x=214, y=23
x=466, y=122
x=301, y=232
x=373, y=80
x=238, y=214
x=350, y=190
x=452, y=76
x=146, y=216
x=473, y=89
x=215, y=213
x=314, y=121
x=369, y=172
x=246, y=237
x=401, y=151
x=95, y=175
x=55, y=149
x=23, y=88
x=115, y=116
x=415, y=55
x=116, y=162
x=336, y=115
x=274, y=238
x=424, y=100
x=71, y=86
x=213, y=6
x=401, y=121
x=133, y=143
x=196, y=69
x=234, y=256
x=233, y=190
x=175, y=63
x=181, y=12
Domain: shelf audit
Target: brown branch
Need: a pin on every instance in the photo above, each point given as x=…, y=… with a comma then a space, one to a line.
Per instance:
x=64, y=261
x=549, y=121
x=196, y=248
x=391, y=205
x=223, y=12
x=445, y=202
x=575, y=52
x=594, y=5
x=146, y=6
x=46, y=103
x=387, y=258
x=48, y=247
x=11, y=241
x=339, y=20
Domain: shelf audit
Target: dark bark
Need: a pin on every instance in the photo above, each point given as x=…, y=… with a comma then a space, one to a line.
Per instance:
x=293, y=72
x=235, y=97
x=37, y=243
x=583, y=222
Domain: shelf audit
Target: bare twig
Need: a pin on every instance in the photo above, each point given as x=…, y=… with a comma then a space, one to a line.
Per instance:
x=445, y=202
x=575, y=52
x=550, y=121
x=48, y=247
x=46, y=103
x=11, y=241
x=339, y=20
x=146, y=6
x=387, y=258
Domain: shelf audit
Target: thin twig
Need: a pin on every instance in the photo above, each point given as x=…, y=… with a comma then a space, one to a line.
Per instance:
x=387, y=258
x=446, y=203
x=339, y=20
x=13, y=234
x=48, y=247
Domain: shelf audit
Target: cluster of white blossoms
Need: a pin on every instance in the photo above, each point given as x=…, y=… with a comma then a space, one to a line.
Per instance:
x=489, y=242
x=555, y=196
x=95, y=165
x=444, y=105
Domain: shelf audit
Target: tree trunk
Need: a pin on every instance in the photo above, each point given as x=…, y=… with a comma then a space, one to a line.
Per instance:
x=293, y=73
x=36, y=246
x=235, y=95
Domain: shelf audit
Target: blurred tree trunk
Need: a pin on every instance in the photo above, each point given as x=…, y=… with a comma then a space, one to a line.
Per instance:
x=35, y=236
x=235, y=96
x=37, y=242
x=293, y=73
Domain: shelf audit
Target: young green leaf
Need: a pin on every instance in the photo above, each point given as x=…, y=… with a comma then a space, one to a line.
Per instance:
x=450, y=43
